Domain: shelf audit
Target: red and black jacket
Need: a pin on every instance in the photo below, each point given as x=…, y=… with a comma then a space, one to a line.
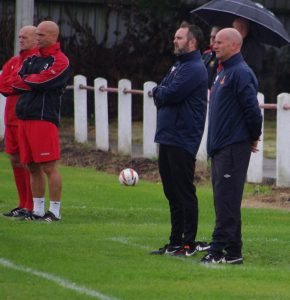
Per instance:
x=42, y=80
x=6, y=78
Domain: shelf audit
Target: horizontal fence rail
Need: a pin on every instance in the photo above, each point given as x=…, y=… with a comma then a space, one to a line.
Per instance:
x=125, y=93
x=286, y=106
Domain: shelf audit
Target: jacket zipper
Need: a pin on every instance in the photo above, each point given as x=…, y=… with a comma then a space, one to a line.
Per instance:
x=42, y=111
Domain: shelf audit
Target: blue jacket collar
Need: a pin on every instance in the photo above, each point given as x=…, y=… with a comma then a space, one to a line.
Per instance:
x=190, y=56
x=233, y=60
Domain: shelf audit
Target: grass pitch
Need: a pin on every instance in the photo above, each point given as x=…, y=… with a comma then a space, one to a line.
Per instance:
x=100, y=248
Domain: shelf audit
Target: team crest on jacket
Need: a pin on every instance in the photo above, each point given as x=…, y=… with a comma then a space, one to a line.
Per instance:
x=45, y=67
x=172, y=69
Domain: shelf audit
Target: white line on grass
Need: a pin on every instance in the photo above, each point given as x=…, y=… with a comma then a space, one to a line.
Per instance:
x=58, y=280
x=125, y=241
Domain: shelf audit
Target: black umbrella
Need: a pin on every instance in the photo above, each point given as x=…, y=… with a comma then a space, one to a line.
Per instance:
x=264, y=25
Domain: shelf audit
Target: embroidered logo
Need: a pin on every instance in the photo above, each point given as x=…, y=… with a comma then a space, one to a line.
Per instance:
x=45, y=67
x=227, y=176
x=44, y=153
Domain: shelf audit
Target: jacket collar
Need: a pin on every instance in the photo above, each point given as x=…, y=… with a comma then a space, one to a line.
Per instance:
x=50, y=50
x=194, y=55
x=26, y=53
x=233, y=60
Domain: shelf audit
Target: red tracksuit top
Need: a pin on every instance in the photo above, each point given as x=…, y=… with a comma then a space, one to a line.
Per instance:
x=9, y=71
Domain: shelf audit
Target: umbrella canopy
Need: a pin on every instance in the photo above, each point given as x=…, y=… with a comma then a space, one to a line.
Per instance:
x=264, y=24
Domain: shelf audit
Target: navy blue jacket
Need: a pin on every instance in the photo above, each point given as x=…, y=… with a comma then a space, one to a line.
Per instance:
x=181, y=101
x=234, y=113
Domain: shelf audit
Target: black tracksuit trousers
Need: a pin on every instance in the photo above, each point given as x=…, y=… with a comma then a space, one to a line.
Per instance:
x=229, y=170
x=177, y=167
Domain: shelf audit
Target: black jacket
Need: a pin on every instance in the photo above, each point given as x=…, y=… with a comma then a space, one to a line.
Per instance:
x=181, y=100
x=42, y=80
x=253, y=53
x=234, y=113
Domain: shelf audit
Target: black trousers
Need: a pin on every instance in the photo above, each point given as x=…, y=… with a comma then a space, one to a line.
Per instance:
x=177, y=167
x=229, y=170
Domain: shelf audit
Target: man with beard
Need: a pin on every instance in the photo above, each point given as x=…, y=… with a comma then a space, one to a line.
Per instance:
x=181, y=100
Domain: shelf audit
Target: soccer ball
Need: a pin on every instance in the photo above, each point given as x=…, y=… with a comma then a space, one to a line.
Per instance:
x=128, y=177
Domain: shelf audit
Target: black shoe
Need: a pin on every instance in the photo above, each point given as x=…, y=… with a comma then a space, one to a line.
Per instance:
x=29, y=216
x=212, y=259
x=50, y=217
x=233, y=260
x=22, y=213
x=202, y=246
x=190, y=250
x=14, y=212
x=186, y=250
x=167, y=249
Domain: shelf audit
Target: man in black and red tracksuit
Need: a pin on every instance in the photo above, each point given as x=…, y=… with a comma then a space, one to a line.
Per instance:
x=235, y=123
x=42, y=80
x=27, y=43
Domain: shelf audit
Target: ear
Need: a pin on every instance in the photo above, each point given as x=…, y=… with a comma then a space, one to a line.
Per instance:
x=192, y=44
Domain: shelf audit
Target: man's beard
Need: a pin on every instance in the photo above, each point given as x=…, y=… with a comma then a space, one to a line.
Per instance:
x=182, y=51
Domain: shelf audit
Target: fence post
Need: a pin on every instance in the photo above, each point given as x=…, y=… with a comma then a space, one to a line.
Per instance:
x=149, y=122
x=124, y=118
x=202, y=151
x=101, y=115
x=255, y=169
x=80, y=109
x=283, y=142
x=2, y=110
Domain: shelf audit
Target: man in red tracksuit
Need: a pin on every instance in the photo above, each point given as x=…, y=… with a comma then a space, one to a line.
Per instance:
x=27, y=42
x=42, y=80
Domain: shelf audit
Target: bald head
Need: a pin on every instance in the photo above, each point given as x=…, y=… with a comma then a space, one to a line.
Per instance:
x=232, y=35
x=228, y=42
x=47, y=34
x=27, y=37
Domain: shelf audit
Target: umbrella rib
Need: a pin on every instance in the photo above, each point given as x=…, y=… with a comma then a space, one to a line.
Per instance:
x=251, y=19
x=264, y=11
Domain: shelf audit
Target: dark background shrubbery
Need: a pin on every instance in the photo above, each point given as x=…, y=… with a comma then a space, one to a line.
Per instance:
x=144, y=54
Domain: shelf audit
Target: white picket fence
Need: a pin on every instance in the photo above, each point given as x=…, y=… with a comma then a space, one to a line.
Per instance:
x=125, y=93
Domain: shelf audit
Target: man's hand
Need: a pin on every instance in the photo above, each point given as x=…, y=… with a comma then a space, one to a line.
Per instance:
x=254, y=146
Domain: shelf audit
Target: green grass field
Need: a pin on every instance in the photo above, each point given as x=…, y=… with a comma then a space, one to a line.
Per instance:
x=100, y=248
x=270, y=139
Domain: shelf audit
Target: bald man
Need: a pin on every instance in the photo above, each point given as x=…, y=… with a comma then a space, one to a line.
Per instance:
x=235, y=123
x=252, y=51
x=27, y=43
x=42, y=80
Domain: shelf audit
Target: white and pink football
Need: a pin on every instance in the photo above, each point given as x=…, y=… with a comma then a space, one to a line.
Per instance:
x=128, y=177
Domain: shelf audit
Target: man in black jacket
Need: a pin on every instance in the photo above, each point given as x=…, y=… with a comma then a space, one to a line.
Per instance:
x=42, y=80
x=235, y=123
x=181, y=100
